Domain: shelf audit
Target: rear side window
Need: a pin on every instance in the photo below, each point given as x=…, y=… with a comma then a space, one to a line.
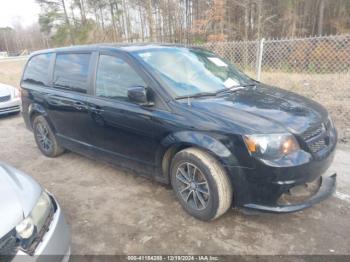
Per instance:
x=71, y=72
x=37, y=70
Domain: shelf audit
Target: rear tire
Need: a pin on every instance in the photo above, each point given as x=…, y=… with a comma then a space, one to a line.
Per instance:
x=201, y=184
x=45, y=138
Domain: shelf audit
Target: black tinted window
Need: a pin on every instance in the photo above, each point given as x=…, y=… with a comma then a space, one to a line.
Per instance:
x=71, y=72
x=114, y=77
x=37, y=70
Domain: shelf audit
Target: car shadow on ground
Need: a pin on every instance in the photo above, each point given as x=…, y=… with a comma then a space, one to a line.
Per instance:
x=9, y=115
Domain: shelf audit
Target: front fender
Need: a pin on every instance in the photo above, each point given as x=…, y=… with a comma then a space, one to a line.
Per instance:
x=216, y=144
x=230, y=150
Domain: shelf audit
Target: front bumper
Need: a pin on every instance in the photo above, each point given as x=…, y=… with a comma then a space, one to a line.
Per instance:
x=11, y=106
x=55, y=245
x=263, y=186
x=327, y=188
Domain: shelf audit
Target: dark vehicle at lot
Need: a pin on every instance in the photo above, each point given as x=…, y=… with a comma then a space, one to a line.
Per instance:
x=184, y=117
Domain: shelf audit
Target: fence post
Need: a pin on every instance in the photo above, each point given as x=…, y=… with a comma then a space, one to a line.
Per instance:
x=259, y=59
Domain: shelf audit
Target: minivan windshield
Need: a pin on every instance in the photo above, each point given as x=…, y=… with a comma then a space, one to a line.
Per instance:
x=191, y=72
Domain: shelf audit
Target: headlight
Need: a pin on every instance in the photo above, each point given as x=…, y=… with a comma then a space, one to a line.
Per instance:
x=37, y=218
x=25, y=229
x=41, y=211
x=272, y=146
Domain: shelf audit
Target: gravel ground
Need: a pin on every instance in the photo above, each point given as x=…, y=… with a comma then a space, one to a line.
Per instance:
x=112, y=211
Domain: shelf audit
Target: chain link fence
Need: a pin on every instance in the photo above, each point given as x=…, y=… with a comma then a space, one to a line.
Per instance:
x=316, y=67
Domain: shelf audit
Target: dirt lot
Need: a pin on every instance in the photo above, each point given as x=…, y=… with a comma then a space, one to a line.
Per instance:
x=112, y=211
x=10, y=72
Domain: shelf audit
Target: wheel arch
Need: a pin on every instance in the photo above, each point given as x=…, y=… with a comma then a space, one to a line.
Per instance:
x=35, y=110
x=178, y=141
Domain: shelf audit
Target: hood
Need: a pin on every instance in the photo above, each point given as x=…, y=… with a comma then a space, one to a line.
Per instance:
x=18, y=195
x=6, y=90
x=264, y=109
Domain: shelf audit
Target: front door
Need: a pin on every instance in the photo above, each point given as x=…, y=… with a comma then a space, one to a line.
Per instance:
x=121, y=131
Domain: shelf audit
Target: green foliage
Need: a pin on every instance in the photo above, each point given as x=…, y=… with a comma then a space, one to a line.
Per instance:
x=48, y=20
x=198, y=40
x=60, y=37
x=82, y=32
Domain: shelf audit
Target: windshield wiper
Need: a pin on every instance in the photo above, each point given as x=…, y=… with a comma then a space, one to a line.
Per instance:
x=225, y=90
x=200, y=94
x=232, y=89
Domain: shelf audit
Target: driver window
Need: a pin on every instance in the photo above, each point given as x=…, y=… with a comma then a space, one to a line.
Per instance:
x=115, y=77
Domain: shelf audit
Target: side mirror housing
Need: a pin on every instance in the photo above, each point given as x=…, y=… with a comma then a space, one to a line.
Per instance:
x=138, y=94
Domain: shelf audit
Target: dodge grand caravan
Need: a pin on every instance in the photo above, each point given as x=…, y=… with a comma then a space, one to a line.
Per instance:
x=184, y=117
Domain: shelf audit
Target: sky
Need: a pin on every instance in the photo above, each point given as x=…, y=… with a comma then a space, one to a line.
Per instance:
x=23, y=11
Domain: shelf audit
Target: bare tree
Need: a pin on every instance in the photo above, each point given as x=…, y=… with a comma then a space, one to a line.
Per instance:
x=85, y=21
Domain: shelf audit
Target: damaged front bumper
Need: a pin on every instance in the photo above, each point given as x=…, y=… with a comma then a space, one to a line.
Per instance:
x=327, y=186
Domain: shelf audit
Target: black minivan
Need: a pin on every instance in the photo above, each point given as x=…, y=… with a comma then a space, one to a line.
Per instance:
x=185, y=117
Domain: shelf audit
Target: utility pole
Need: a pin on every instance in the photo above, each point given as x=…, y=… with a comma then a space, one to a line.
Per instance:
x=259, y=59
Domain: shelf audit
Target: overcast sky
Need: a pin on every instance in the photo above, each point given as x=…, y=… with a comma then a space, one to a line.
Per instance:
x=24, y=11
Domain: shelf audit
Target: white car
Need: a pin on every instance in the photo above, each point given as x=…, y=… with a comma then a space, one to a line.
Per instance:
x=32, y=225
x=10, y=99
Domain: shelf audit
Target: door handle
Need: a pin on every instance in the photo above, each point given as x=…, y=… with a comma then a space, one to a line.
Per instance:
x=80, y=105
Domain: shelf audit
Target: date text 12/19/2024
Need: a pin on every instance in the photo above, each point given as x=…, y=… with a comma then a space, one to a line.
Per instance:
x=173, y=258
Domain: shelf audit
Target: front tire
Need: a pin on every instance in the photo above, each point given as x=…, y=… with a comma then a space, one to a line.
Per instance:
x=45, y=138
x=201, y=184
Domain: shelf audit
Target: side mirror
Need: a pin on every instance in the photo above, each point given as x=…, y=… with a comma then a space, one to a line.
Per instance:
x=138, y=94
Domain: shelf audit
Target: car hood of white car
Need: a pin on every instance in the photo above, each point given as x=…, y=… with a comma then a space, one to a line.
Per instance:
x=6, y=90
x=18, y=195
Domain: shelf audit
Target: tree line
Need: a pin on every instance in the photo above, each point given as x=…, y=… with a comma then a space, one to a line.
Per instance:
x=67, y=22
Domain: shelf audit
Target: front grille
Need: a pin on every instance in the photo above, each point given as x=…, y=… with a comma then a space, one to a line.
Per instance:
x=312, y=133
x=318, y=145
x=8, y=244
x=317, y=138
x=5, y=98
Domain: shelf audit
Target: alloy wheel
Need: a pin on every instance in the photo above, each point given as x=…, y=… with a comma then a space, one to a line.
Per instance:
x=193, y=186
x=43, y=137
